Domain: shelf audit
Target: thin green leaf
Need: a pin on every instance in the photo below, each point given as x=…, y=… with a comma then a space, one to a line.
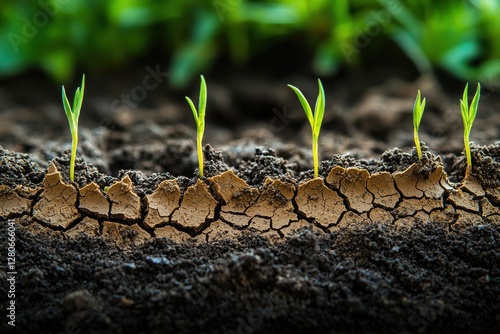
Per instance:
x=319, y=110
x=202, y=103
x=417, y=111
x=305, y=104
x=474, y=105
x=422, y=107
x=79, y=98
x=76, y=99
x=193, y=109
x=66, y=105
x=465, y=97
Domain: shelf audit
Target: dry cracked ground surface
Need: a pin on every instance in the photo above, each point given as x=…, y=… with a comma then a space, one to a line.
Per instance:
x=380, y=245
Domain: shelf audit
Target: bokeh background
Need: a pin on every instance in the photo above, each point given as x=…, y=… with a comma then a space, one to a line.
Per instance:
x=63, y=38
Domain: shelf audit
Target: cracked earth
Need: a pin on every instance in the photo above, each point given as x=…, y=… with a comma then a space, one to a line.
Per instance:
x=225, y=205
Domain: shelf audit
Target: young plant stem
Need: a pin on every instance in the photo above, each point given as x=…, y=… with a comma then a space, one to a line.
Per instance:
x=315, y=120
x=418, y=112
x=199, y=117
x=468, y=116
x=73, y=114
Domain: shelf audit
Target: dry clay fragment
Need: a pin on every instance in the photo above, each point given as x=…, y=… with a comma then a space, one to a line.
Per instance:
x=11, y=203
x=381, y=185
x=235, y=192
x=410, y=206
x=218, y=230
x=494, y=195
x=379, y=215
x=124, y=235
x=93, y=201
x=472, y=185
x=465, y=219
x=274, y=208
x=315, y=200
x=125, y=204
x=350, y=218
x=462, y=200
x=352, y=183
x=197, y=207
x=294, y=227
x=237, y=197
x=162, y=203
x=88, y=226
x=413, y=184
x=488, y=210
x=171, y=233
x=57, y=205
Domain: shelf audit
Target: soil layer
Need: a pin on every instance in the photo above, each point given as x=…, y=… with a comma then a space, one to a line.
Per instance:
x=137, y=244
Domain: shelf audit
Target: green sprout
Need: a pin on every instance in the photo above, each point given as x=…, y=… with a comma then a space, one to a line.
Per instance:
x=314, y=119
x=418, y=112
x=73, y=114
x=468, y=117
x=199, y=117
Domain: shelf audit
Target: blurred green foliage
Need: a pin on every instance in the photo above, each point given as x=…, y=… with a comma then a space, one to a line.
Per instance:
x=58, y=36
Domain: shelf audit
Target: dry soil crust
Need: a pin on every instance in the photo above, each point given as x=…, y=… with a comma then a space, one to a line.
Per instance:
x=224, y=205
x=377, y=250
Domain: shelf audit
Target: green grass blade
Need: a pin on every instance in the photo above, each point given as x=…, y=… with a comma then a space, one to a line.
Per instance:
x=305, y=104
x=193, y=109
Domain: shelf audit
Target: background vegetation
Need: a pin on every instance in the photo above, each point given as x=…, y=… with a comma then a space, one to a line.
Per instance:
x=63, y=37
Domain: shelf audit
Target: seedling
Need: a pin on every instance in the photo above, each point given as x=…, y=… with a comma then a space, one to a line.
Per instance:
x=199, y=117
x=468, y=117
x=418, y=112
x=314, y=119
x=73, y=115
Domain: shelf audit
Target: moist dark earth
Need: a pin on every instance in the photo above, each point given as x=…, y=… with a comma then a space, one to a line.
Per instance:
x=365, y=279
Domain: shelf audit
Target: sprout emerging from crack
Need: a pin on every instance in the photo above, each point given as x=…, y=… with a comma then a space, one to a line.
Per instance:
x=73, y=115
x=418, y=112
x=199, y=117
x=468, y=117
x=314, y=119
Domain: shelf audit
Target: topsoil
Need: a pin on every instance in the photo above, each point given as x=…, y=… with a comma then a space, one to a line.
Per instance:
x=381, y=277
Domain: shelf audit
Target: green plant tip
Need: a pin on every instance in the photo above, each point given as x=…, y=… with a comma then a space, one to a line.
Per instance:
x=73, y=114
x=315, y=119
x=418, y=112
x=468, y=116
x=199, y=118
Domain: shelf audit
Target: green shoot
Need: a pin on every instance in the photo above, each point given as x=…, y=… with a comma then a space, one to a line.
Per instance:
x=418, y=112
x=199, y=117
x=314, y=119
x=468, y=117
x=73, y=115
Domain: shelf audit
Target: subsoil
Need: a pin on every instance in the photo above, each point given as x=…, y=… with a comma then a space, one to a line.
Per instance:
x=382, y=276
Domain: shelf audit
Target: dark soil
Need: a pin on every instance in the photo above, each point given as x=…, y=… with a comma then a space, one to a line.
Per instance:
x=375, y=279
x=366, y=280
